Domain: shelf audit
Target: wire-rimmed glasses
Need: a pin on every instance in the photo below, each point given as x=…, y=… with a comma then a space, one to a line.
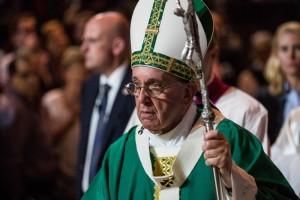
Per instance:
x=153, y=89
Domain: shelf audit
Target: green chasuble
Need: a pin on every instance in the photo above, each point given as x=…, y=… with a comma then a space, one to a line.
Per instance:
x=122, y=175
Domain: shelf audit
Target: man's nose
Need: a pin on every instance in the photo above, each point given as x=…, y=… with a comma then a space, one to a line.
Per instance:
x=143, y=96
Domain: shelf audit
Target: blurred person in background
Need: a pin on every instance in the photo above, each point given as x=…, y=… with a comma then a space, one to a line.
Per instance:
x=283, y=76
x=235, y=104
x=25, y=38
x=62, y=107
x=25, y=31
x=232, y=56
x=76, y=19
x=260, y=49
x=56, y=41
x=285, y=152
x=105, y=107
x=79, y=23
x=26, y=161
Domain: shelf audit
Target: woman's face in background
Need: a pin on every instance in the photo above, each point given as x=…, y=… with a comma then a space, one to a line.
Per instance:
x=288, y=52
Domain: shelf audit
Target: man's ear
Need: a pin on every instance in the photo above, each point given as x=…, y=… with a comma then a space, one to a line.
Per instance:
x=118, y=46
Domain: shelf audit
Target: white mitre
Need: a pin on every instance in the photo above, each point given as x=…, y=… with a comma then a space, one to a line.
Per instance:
x=158, y=35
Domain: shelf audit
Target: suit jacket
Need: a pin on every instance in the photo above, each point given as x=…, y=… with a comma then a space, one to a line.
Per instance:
x=275, y=107
x=118, y=119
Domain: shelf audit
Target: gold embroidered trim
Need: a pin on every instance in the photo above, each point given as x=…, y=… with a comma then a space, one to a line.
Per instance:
x=154, y=23
x=163, y=62
x=154, y=31
x=156, y=192
x=170, y=64
x=163, y=166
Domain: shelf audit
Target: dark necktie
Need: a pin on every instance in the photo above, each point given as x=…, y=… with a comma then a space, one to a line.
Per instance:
x=100, y=131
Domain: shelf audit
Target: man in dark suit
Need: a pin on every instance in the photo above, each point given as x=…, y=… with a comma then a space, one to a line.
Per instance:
x=105, y=109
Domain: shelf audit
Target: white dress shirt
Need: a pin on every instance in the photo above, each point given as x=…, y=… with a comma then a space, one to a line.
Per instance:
x=114, y=81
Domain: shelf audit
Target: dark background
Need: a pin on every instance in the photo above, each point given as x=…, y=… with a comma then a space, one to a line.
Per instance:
x=245, y=16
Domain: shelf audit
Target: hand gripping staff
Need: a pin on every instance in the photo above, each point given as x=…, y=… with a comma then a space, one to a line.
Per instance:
x=192, y=46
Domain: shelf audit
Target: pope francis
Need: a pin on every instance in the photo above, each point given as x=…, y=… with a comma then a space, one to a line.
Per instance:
x=169, y=156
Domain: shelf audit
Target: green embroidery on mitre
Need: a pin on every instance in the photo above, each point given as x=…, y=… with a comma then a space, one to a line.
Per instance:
x=152, y=52
x=205, y=17
x=164, y=63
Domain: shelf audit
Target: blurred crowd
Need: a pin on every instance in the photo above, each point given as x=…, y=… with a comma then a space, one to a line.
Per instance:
x=43, y=70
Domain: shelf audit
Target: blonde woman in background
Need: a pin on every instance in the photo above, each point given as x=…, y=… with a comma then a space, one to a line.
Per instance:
x=283, y=76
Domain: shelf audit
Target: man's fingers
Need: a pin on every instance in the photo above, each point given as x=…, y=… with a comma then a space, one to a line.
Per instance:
x=213, y=134
x=213, y=144
x=214, y=153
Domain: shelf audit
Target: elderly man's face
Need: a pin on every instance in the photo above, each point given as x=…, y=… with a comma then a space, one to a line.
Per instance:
x=163, y=112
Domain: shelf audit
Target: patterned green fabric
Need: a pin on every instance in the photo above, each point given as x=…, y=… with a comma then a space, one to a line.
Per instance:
x=123, y=177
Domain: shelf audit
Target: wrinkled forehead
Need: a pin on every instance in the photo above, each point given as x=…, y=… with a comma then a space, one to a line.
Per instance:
x=142, y=73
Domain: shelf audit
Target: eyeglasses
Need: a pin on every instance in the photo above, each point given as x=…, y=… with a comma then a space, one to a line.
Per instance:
x=153, y=89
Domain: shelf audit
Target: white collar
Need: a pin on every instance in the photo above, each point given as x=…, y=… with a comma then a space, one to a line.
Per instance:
x=115, y=77
x=186, y=158
x=114, y=81
x=176, y=136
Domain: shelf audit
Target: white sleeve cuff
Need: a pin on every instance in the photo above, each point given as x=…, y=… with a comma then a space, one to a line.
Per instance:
x=243, y=184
